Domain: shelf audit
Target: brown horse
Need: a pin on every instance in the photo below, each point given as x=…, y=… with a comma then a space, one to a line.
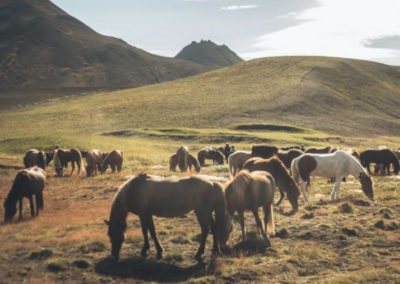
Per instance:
x=227, y=150
x=287, y=156
x=146, y=196
x=210, y=153
x=63, y=156
x=236, y=161
x=192, y=162
x=283, y=180
x=114, y=160
x=248, y=191
x=27, y=183
x=182, y=155
x=263, y=151
x=325, y=150
x=382, y=156
x=93, y=160
x=35, y=157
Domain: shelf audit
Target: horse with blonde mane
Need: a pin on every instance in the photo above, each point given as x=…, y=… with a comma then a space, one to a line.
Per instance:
x=146, y=196
x=283, y=180
x=249, y=191
x=27, y=183
x=338, y=164
x=236, y=161
x=63, y=156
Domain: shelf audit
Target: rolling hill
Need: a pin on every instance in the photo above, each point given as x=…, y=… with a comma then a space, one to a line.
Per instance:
x=209, y=54
x=41, y=46
x=335, y=95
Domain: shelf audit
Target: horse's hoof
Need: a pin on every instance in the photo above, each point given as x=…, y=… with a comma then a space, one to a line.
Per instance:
x=198, y=258
x=143, y=253
x=159, y=255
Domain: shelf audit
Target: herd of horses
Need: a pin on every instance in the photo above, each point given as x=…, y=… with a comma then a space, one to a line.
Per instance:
x=255, y=176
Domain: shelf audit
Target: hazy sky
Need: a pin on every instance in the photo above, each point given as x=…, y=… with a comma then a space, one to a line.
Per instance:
x=364, y=29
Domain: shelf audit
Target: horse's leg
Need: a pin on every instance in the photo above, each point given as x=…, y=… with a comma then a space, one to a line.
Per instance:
x=37, y=202
x=146, y=244
x=154, y=237
x=204, y=225
x=32, y=206
x=241, y=221
x=20, y=208
x=213, y=226
x=260, y=227
x=369, y=170
x=72, y=166
x=281, y=198
x=303, y=187
x=336, y=188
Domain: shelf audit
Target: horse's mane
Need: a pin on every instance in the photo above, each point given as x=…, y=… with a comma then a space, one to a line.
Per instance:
x=357, y=163
x=240, y=180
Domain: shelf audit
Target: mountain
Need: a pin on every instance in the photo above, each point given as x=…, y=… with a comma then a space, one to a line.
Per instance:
x=41, y=46
x=209, y=54
x=339, y=96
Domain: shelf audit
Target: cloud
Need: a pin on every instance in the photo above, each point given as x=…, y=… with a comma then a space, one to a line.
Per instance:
x=335, y=28
x=239, y=7
x=392, y=42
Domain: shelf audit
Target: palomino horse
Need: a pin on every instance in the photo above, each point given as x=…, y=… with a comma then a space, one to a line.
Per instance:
x=210, y=153
x=338, y=164
x=28, y=182
x=192, y=162
x=283, y=180
x=93, y=160
x=382, y=156
x=150, y=195
x=236, y=161
x=35, y=157
x=287, y=156
x=248, y=191
x=114, y=160
x=63, y=156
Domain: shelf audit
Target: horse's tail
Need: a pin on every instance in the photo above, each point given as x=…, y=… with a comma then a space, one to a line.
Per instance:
x=395, y=163
x=270, y=219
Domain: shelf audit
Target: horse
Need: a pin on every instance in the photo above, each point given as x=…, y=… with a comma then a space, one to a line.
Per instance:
x=283, y=180
x=192, y=162
x=210, y=153
x=263, y=151
x=34, y=157
x=324, y=150
x=248, y=191
x=114, y=160
x=338, y=164
x=182, y=155
x=287, y=156
x=27, y=182
x=63, y=156
x=93, y=160
x=236, y=161
x=227, y=151
x=382, y=156
x=287, y=148
x=146, y=196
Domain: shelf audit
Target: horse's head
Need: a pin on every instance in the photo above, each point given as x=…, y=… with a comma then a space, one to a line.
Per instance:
x=9, y=211
x=117, y=237
x=293, y=194
x=367, y=185
x=59, y=171
x=224, y=233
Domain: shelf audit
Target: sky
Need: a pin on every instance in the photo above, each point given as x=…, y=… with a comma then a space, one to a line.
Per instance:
x=363, y=29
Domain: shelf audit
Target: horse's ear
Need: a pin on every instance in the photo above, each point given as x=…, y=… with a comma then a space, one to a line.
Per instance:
x=107, y=222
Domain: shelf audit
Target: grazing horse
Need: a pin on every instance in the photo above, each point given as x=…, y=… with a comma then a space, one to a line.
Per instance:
x=192, y=162
x=28, y=182
x=338, y=164
x=248, y=191
x=146, y=196
x=93, y=160
x=183, y=155
x=263, y=151
x=210, y=153
x=382, y=156
x=325, y=150
x=287, y=156
x=286, y=148
x=227, y=151
x=35, y=157
x=283, y=180
x=236, y=161
x=63, y=156
x=114, y=160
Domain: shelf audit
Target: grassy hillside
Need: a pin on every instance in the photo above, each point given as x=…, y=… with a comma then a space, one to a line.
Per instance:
x=338, y=96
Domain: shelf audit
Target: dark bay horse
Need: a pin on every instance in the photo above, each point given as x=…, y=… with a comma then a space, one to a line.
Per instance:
x=210, y=153
x=63, y=156
x=34, y=157
x=146, y=196
x=182, y=155
x=264, y=151
x=382, y=156
x=27, y=183
x=113, y=160
x=249, y=191
x=287, y=156
x=192, y=163
x=283, y=180
x=227, y=151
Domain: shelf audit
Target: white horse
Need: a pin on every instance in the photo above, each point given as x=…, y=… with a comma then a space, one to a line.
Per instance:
x=338, y=164
x=236, y=161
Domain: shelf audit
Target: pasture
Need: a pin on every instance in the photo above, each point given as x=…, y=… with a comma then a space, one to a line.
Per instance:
x=350, y=240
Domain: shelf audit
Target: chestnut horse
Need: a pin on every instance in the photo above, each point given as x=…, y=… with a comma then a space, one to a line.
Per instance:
x=146, y=196
x=93, y=160
x=63, y=156
x=192, y=162
x=114, y=160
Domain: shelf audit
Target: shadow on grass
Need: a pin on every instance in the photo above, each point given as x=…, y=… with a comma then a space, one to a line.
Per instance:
x=148, y=269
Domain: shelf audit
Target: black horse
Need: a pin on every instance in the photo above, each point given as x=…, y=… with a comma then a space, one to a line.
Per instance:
x=383, y=156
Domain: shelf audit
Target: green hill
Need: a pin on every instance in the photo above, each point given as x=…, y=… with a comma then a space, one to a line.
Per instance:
x=338, y=96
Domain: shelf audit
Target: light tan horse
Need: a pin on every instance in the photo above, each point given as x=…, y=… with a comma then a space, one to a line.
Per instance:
x=236, y=161
x=283, y=179
x=146, y=196
x=248, y=191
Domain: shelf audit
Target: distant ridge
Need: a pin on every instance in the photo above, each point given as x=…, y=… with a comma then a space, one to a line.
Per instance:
x=41, y=46
x=209, y=54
